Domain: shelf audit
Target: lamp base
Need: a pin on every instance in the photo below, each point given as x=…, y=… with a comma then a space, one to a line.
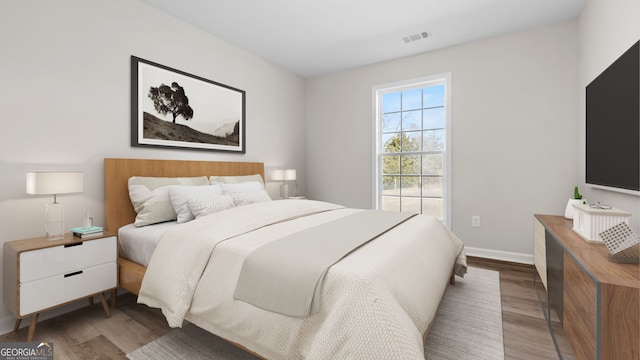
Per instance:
x=54, y=221
x=284, y=191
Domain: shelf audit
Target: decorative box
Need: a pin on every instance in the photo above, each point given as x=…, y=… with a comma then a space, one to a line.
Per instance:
x=623, y=244
x=589, y=222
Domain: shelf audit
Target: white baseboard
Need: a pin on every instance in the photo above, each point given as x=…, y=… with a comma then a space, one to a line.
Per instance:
x=500, y=255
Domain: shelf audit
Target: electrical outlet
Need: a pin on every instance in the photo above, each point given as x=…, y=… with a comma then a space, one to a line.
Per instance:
x=475, y=221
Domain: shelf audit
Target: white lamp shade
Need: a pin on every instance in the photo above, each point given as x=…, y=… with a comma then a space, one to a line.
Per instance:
x=282, y=175
x=290, y=174
x=53, y=183
x=277, y=175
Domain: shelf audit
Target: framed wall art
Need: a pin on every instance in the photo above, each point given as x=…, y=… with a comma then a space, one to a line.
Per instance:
x=173, y=109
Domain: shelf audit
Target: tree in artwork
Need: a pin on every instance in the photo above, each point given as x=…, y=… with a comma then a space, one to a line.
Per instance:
x=171, y=100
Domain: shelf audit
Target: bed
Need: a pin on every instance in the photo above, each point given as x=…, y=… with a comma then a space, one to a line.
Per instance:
x=378, y=302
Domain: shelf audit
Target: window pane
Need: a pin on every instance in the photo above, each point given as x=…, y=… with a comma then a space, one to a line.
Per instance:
x=391, y=203
x=391, y=165
x=412, y=141
x=410, y=186
x=433, y=118
x=432, y=207
x=391, y=122
x=391, y=102
x=433, y=140
x=410, y=164
x=407, y=143
x=391, y=185
x=432, y=164
x=432, y=187
x=391, y=142
x=433, y=96
x=412, y=99
x=411, y=204
x=411, y=120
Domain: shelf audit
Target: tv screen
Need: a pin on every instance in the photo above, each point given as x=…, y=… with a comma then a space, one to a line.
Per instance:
x=613, y=125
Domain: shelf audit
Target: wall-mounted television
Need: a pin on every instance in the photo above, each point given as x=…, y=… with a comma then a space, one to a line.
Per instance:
x=613, y=125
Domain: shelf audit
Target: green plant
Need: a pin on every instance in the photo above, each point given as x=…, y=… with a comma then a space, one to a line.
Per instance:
x=576, y=194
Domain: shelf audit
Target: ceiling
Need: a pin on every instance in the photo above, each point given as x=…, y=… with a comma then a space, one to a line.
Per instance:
x=313, y=37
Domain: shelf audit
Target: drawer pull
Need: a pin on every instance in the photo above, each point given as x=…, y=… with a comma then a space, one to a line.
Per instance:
x=74, y=244
x=73, y=273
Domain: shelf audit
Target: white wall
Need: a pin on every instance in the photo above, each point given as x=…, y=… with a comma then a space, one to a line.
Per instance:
x=65, y=99
x=607, y=30
x=514, y=104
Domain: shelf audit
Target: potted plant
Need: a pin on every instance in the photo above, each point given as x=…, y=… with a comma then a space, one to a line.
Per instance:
x=569, y=211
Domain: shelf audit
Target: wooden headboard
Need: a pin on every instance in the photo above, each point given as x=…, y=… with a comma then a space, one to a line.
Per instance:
x=118, y=210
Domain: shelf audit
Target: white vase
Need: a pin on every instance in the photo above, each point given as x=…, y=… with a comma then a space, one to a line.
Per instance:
x=569, y=211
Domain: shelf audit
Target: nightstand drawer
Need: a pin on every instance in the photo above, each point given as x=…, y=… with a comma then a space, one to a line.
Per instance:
x=55, y=290
x=42, y=263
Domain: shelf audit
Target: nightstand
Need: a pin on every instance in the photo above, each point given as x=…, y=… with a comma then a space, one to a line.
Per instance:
x=41, y=275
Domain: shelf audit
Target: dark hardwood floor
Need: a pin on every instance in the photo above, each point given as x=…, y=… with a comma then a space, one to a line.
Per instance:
x=87, y=333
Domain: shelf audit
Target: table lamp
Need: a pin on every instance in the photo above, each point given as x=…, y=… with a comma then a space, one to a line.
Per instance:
x=54, y=183
x=283, y=175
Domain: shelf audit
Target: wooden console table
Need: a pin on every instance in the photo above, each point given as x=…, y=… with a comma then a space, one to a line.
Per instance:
x=597, y=300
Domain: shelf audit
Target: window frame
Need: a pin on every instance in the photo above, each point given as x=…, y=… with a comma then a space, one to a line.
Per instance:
x=417, y=83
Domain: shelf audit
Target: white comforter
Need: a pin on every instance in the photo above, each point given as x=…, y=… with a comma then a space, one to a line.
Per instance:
x=375, y=304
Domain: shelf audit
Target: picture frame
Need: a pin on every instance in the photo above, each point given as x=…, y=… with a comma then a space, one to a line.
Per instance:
x=174, y=109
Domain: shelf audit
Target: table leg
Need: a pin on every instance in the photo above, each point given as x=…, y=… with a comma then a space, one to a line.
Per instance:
x=114, y=294
x=105, y=305
x=32, y=327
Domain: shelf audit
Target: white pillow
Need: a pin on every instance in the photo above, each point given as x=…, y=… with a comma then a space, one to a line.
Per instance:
x=244, y=187
x=150, y=197
x=206, y=206
x=179, y=194
x=235, y=179
x=247, y=198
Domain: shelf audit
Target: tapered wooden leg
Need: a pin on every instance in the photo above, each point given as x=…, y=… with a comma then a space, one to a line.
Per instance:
x=105, y=305
x=32, y=327
x=17, y=326
x=91, y=301
x=114, y=294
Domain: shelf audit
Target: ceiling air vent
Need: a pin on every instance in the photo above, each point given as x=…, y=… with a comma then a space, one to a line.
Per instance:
x=415, y=37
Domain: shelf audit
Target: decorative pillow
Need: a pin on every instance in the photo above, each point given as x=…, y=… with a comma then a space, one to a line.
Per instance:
x=206, y=206
x=150, y=197
x=179, y=194
x=235, y=179
x=241, y=199
x=244, y=187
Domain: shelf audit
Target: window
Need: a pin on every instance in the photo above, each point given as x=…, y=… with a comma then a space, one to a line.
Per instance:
x=412, y=159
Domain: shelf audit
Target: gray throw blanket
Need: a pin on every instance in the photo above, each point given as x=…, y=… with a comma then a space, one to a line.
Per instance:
x=285, y=276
